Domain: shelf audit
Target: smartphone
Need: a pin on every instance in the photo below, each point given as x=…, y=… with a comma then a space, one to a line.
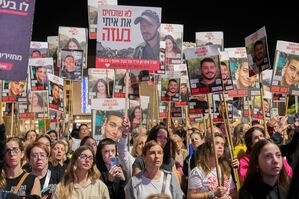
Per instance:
x=114, y=161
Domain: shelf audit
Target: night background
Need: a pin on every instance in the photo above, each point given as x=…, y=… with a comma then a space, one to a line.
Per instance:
x=236, y=20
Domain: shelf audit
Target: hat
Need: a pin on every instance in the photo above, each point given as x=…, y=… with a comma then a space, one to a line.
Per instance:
x=149, y=15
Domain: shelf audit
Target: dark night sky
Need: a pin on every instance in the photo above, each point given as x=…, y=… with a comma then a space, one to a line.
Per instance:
x=236, y=20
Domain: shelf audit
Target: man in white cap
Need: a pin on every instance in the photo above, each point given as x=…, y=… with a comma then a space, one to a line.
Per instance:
x=149, y=25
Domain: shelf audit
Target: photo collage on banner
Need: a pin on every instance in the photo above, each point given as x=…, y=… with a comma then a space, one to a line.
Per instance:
x=100, y=83
x=39, y=70
x=257, y=52
x=93, y=15
x=38, y=49
x=56, y=98
x=120, y=84
x=172, y=36
x=209, y=38
x=122, y=41
x=286, y=69
x=53, y=44
x=240, y=72
x=107, y=114
x=71, y=64
x=204, y=69
x=72, y=38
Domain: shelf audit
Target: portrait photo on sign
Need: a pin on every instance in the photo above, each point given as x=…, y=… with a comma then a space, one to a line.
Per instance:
x=204, y=75
x=38, y=49
x=107, y=124
x=13, y=91
x=39, y=70
x=170, y=88
x=38, y=103
x=101, y=83
x=55, y=96
x=120, y=84
x=72, y=64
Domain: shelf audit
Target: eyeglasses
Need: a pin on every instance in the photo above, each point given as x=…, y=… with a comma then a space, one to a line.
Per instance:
x=162, y=138
x=38, y=155
x=85, y=157
x=14, y=150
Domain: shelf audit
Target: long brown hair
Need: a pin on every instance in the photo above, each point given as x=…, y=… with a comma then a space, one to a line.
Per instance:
x=204, y=153
x=254, y=176
x=69, y=178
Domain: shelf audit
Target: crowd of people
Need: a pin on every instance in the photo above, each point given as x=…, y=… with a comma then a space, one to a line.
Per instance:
x=133, y=163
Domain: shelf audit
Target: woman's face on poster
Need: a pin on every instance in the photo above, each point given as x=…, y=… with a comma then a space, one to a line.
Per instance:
x=101, y=87
x=33, y=99
x=168, y=45
x=73, y=46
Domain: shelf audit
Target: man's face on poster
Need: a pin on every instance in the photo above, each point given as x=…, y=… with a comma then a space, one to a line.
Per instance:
x=243, y=74
x=41, y=74
x=291, y=75
x=149, y=30
x=173, y=87
x=266, y=106
x=17, y=87
x=56, y=95
x=224, y=73
x=112, y=127
x=259, y=51
x=208, y=70
x=69, y=63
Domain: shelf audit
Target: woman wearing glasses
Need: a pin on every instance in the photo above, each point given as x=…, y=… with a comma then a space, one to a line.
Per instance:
x=38, y=157
x=30, y=187
x=81, y=179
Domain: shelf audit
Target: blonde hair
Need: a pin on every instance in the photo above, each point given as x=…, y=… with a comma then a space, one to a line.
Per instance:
x=52, y=156
x=69, y=178
x=135, y=144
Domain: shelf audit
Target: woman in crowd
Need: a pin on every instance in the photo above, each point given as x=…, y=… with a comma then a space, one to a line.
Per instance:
x=160, y=134
x=38, y=156
x=30, y=187
x=81, y=179
x=238, y=139
x=127, y=159
x=30, y=136
x=35, y=103
x=203, y=178
x=100, y=88
x=135, y=117
x=266, y=177
x=154, y=179
x=112, y=174
x=181, y=153
x=53, y=135
x=89, y=141
x=58, y=157
x=252, y=136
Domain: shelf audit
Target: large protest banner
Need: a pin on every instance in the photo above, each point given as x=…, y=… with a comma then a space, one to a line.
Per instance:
x=123, y=38
x=16, y=19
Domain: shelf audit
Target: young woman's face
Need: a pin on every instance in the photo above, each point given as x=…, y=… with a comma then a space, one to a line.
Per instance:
x=137, y=113
x=33, y=99
x=13, y=154
x=257, y=136
x=31, y=136
x=140, y=144
x=101, y=88
x=73, y=46
x=162, y=137
x=270, y=160
x=38, y=158
x=154, y=157
x=59, y=152
x=91, y=143
x=168, y=45
x=85, y=160
x=108, y=152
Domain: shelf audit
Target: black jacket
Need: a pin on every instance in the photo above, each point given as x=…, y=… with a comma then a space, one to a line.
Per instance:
x=2, y=146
